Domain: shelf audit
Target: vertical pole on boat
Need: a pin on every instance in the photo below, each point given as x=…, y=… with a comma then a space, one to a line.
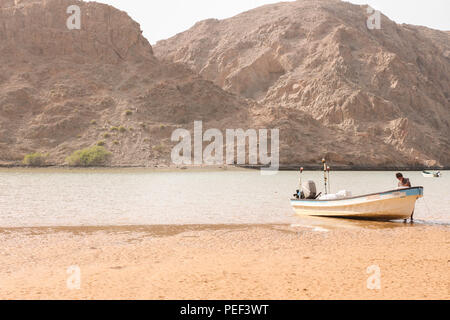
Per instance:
x=298, y=195
x=329, y=180
x=325, y=174
x=300, y=183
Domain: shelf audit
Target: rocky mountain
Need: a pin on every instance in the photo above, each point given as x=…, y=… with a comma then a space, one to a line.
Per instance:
x=334, y=88
x=384, y=94
x=63, y=90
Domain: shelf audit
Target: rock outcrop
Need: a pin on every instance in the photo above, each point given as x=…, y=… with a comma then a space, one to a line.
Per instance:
x=384, y=93
x=334, y=88
x=63, y=90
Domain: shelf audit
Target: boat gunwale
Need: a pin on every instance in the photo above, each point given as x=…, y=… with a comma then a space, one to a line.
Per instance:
x=357, y=197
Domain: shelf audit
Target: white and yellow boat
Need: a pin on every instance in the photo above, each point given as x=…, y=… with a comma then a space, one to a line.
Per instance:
x=390, y=205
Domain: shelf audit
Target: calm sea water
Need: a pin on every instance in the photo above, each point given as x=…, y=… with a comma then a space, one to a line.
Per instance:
x=57, y=197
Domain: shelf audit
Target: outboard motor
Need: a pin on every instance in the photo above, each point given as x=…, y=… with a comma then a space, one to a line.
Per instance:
x=309, y=190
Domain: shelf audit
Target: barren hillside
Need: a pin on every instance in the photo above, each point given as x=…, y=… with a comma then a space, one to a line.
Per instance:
x=386, y=91
x=62, y=90
x=373, y=98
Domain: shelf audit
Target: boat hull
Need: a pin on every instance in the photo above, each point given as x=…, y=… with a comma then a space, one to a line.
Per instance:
x=431, y=175
x=391, y=205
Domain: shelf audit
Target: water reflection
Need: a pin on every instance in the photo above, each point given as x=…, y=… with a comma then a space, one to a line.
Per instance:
x=340, y=223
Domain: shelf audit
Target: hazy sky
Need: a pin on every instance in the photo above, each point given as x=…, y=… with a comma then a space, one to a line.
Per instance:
x=162, y=19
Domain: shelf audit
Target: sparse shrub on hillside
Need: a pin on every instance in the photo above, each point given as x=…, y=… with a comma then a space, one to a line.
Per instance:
x=101, y=143
x=35, y=159
x=106, y=135
x=89, y=157
x=122, y=129
x=114, y=129
x=93, y=122
x=143, y=125
x=115, y=142
x=159, y=148
x=128, y=113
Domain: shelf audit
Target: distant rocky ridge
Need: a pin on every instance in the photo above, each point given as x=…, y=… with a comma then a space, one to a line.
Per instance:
x=334, y=88
x=385, y=94
x=63, y=90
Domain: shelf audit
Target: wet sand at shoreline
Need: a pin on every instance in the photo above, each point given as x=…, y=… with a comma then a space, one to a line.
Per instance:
x=227, y=262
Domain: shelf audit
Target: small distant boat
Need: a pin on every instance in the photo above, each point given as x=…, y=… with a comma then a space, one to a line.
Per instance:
x=430, y=174
x=389, y=205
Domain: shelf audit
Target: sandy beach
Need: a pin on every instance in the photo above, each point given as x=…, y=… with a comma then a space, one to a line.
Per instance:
x=226, y=262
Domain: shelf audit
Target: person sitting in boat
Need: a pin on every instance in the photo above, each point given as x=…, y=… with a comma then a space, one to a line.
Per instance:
x=403, y=182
